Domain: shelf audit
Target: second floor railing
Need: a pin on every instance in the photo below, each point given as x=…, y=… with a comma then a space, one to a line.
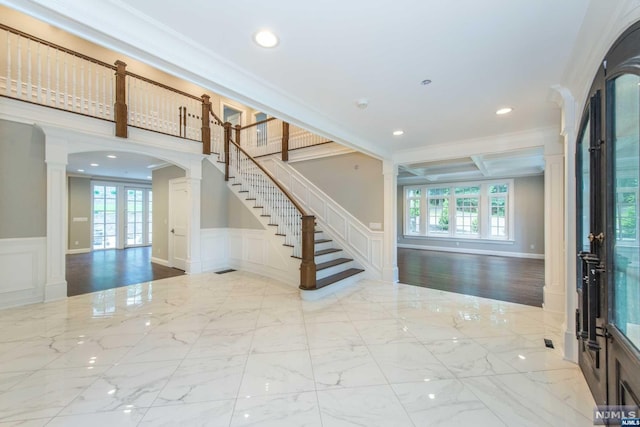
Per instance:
x=44, y=73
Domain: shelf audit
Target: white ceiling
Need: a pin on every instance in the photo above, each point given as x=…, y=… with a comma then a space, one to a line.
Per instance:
x=480, y=55
x=126, y=165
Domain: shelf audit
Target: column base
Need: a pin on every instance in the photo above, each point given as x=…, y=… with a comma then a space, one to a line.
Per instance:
x=570, y=347
x=390, y=274
x=193, y=267
x=54, y=291
x=554, y=301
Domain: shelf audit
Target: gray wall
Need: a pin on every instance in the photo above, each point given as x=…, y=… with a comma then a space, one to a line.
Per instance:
x=529, y=222
x=23, y=181
x=240, y=216
x=213, y=197
x=160, y=188
x=353, y=180
x=79, y=207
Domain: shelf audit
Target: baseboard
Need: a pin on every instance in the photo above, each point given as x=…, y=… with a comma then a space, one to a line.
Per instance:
x=160, y=261
x=78, y=251
x=472, y=251
x=55, y=291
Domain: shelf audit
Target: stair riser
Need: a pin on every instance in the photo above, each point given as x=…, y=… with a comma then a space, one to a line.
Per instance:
x=328, y=257
x=321, y=274
x=323, y=246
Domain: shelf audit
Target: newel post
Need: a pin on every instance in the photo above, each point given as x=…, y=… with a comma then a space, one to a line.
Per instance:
x=237, y=127
x=206, y=130
x=120, y=107
x=308, y=265
x=227, y=137
x=285, y=141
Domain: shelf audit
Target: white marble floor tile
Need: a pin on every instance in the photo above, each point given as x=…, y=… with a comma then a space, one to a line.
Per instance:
x=9, y=379
x=75, y=362
x=444, y=403
x=277, y=373
x=128, y=417
x=284, y=410
x=430, y=329
x=366, y=311
x=98, y=351
x=26, y=423
x=332, y=334
x=205, y=414
x=466, y=358
x=517, y=400
x=200, y=380
x=384, y=331
x=28, y=355
x=525, y=354
x=45, y=392
x=345, y=367
x=123, y=387
x=161, y=346
x=363, y=406
x=408, y=362
x=284, y=315
x=322, y=314
x=222, y=342
x=227, y=318
x=267, y=339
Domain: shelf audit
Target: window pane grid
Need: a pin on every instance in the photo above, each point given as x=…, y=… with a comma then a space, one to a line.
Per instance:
x=479, y=210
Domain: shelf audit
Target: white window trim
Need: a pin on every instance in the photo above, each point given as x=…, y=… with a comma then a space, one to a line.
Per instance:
x=235, y=106
x=483, y=211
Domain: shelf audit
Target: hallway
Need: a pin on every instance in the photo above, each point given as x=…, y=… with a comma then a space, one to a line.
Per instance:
x=113, y=268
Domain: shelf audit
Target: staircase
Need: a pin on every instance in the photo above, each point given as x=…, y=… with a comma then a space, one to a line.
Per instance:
x=275, y=208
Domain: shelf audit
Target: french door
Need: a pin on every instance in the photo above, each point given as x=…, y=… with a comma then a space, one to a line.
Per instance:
x=608, y=175
x=138, y=213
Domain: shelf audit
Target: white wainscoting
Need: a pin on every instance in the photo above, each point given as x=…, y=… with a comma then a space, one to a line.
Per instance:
x=257, y=251
x=357, y=240
x=22, y=271
x=471, y=251
x=214, y=250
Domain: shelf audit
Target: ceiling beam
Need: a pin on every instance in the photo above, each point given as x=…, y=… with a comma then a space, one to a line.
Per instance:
x=479, y=161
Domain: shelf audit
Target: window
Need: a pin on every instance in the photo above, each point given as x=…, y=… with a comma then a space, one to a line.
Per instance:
x=466, y=210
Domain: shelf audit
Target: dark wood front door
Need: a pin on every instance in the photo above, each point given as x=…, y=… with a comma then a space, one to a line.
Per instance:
x=608, y=175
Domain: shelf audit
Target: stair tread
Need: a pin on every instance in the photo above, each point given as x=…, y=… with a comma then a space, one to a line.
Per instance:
x=332, y=263
x=327, y=251
x=322, y=241
x=337, y=277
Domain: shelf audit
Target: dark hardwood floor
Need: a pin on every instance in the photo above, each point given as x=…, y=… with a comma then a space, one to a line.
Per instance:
x=113, y=268
x=516, y=280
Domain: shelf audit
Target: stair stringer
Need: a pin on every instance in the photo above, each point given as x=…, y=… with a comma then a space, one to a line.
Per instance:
x=357, y=240
x=260, y=251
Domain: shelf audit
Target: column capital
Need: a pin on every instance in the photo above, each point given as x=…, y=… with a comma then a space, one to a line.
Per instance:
x=389, y=168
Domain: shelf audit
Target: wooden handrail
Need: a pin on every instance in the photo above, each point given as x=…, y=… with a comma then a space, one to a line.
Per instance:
x=215, y=116
x=163, y=86
x=258, y=123
x=275, y=181
x=55, y=46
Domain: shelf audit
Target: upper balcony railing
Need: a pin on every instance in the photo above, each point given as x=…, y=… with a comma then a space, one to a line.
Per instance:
x=44, y=73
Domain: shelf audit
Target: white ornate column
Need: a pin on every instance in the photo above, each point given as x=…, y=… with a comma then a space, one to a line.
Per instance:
x=194, y=179
x=390, y=245
x=56, y=154
x=569, y=132
x=554, y=260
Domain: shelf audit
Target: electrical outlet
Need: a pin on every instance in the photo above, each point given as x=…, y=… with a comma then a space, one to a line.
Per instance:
x=532, y=246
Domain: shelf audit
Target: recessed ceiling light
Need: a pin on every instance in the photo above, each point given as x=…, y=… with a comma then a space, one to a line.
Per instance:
x=505, y=110
x=80, y=170
x=266, y=38
x=94, y=164
x=111, y=156
x=425, y=82
x=398, y=132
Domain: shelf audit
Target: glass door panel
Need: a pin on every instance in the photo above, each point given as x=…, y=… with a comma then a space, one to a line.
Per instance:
x=104, y=230
x=626, y=175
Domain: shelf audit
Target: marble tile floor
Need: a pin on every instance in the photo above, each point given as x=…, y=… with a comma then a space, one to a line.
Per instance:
x=238, y=349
